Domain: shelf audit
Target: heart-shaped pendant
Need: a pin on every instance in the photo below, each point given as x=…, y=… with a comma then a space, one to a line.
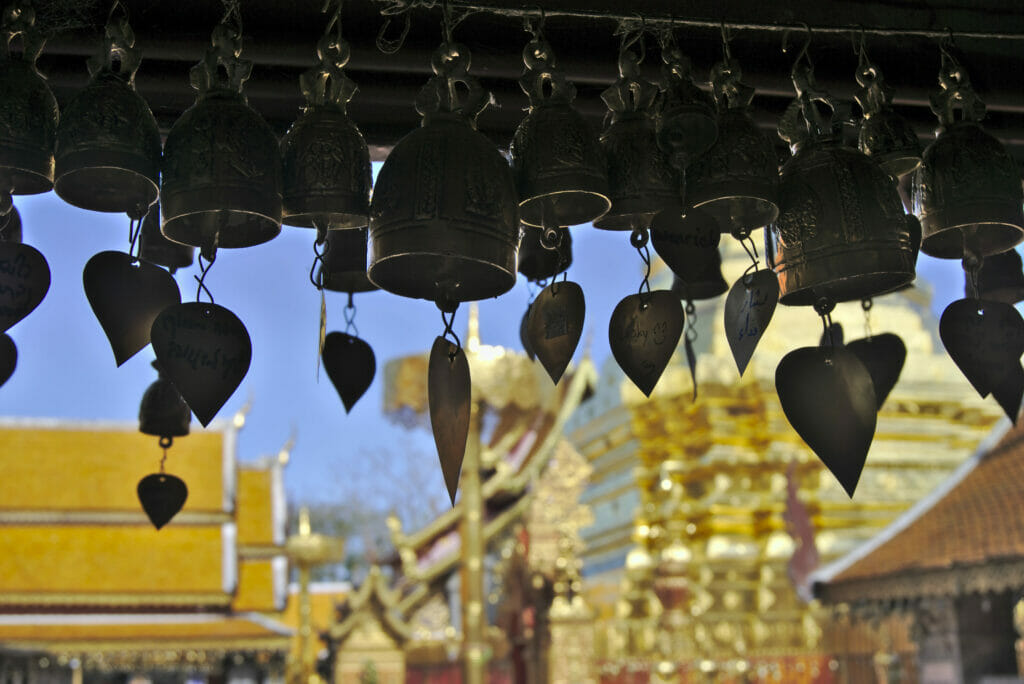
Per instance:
x=205, y=351
x=1010, y=391
x=127, y=295
x=350, y=365
x=828, y=398
x=555, y=326
x=748, y=311
x=643, y=333
x=8, y=358
x=161, y=496
x=24, y=281
x=984, y=338
x=883, y=356
x=448, y=395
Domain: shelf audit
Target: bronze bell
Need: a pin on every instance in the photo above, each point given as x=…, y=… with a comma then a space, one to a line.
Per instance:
x=558, y=164
x=28, y=110
x=344, y=264
x=687, y=127
x=885, y=136
x=156, y=249
x=737, y=179
x=1000, y=278
x=536, y=261
x=108, y=143
x=689, y=247
x=703, y=282
x=444, y=217
x=10, y=226
x=842, y=233
x=163, y=413
x=967, y=191
x=222, y=166
x=640, y=179
x=326, y=162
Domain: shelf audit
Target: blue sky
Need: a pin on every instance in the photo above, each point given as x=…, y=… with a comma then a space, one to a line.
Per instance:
x=66, y=368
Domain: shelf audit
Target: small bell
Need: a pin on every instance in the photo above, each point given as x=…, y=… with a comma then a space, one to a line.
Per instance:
x=344, y=263
x=885, y=136
x=108, y=143
x=1000, y=279
x=326, y=161
x=687, y=127
x=689, y=247
x=11, y=226
x=157, y=249
x=842, y=233
x=222, y=166
x=703, y=282
x=163, y=413
x=444, y=219
x=640, y=178
x=737, y=179
x=536, y=261
x=28, y=110
x=967, y=191
x=559, y=166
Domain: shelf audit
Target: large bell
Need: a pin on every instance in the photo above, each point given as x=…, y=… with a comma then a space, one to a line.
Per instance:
x=687, y=127
x=842, y=233
x=444, y=218
x=1000, y=279
x=344, y=264
x=536, y=261
x=326, y=162
x=163, y=413
x=108, y=143
x=156, y=249
x=641, y=180
x=689, y=247
x=737, y=179
x=558, y=164
x=885, y=136
x=28, y=110
x=10, y=226
x=967, y=191
x=222, y=166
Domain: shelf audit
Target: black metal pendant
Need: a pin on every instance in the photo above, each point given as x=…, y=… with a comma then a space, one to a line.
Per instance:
x=350, y=365
x=24, y=281
x=984, y=338
x=8, y=358
x=161, y=496
x=748, y=311
x=448, y=395
x=643, y=333
x=555, y=326
x=883, y=356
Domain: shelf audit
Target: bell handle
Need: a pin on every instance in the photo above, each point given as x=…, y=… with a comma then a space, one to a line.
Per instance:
x=19, y=19
x=542, y=81
x=118, y=54
x=443, y=94
x=222, y=68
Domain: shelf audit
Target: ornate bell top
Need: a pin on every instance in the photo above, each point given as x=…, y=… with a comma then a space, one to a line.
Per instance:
x=956, y=93
x=542, y=82
x=875, y=95
x=19, y=19
x=728, y=91
x=225, y=51
x=804, y=121
x=440, y=96
x=326, y=85
x=631, y=95
x=118, y=55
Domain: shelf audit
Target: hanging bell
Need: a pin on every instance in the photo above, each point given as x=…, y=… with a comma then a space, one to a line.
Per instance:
x=1000, y=279
x=705, y=281
x=28, y=110
x=640, y=179
x=163, y=413
x=560, y=169
x=444, y=219
x=326, y=162
x=10, y=226
x=842, y=233
x=156, y=249
x=967, y=191
x=108, y=144
x=737, y=179
x=689, y=247
x=687, y=127
x=536, y=261
x=344, y=263
x=885, y=136
x=222, y=167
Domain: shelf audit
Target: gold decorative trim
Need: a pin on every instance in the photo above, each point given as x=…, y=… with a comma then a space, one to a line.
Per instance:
x=83, y=599
x=164, y=645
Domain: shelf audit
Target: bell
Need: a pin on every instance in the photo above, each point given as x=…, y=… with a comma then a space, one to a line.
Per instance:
x=536, y=261
x=737, y=179
x=163, y=413
x=28, y=115
x=108, y=143
x=444, y=219
x=967, y=191
x=326, y=161
x=842, y=233
x=640, y=178
x=689, y=247
x=344, y=264
x=885, y=136
x=1000, y=278
x=704, y=282
x=156, y=249
x=687, y=127
x=10, y=226
x=222, y=167
x=558, y=164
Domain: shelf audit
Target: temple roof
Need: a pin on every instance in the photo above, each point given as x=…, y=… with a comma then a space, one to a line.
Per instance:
x=966, y=536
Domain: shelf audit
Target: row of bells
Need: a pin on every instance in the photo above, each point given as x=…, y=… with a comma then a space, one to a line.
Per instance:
x=445, y=216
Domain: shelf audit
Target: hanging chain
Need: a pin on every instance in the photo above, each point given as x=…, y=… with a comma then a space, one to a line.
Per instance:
x=865, y=305
x=204, y=268
x=448, y=318
x=754, y=258
x=639, y=239
x=318, y=260
x=165, y=444
x=134, y=244
x=691, y=321
x=350, y=317
x=823, y=307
